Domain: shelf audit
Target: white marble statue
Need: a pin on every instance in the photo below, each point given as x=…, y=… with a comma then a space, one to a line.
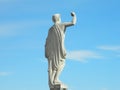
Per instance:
x=54, y=48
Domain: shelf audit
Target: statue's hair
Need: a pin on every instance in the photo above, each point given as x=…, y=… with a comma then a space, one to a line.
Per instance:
x=55, y=17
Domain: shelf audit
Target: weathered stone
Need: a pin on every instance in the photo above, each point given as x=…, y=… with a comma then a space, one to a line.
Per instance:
x=58, y=87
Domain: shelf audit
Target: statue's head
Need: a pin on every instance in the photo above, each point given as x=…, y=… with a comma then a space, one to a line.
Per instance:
x=56, y=18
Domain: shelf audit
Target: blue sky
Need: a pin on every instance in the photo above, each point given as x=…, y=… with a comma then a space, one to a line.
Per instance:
x=93, y=45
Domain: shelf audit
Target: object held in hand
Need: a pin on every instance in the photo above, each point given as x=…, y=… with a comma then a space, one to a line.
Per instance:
x=72, y=14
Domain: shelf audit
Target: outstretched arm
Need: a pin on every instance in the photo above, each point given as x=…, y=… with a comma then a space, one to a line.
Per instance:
x=73, y=22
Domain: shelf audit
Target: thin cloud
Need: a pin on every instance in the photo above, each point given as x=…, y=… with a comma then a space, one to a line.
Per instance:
x=118, y=55
x=112, y=51
x=43, y=59
x=5, y=73
x=82, y=55
x=104, y=89
x=7, y=1
x=8, y=30
x=112, y=48
x=13, y=28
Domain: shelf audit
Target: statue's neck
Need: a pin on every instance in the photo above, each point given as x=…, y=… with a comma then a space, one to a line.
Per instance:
x=58, y=22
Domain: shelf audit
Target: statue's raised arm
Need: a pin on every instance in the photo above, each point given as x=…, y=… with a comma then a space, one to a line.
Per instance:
x=73, y=22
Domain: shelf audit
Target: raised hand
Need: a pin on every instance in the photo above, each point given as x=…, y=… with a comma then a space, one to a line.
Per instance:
x=72, y=14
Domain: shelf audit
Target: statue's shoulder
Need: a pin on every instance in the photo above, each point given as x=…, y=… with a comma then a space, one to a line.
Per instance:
x=52, y=27
x=62, y=26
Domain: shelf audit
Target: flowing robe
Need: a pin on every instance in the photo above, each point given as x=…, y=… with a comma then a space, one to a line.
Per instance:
x=54, y=47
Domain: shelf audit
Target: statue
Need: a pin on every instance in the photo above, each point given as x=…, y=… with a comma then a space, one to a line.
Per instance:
x=54, y=48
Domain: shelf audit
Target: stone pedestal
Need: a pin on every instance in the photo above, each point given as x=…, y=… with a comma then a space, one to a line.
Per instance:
x=58, y=87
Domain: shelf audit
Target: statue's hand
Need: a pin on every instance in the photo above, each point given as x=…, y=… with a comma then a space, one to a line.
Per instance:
x=72, y=14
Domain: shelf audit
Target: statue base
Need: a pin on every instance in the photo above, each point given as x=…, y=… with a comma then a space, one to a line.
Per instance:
x=58, y=87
